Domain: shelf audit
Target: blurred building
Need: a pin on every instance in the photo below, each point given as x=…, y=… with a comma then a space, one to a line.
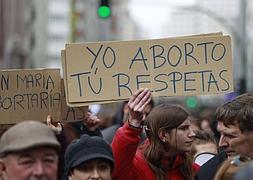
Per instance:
x=16, y=36
x=220, y=16
x=33, y=32
x=38, y=50
x=62, y=21
x=51, y=31
x=84, y=21
x=123, y=26
x=58, y=30
x=87, y=26
x=250, y=44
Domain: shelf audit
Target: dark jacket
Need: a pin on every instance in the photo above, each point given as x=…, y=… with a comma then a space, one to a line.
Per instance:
x=208, y=170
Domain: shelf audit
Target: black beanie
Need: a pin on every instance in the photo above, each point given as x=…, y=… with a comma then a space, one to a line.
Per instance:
x=84, y=149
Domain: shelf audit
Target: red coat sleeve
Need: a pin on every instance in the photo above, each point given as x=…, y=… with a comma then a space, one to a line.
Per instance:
x=124, y=146
x=195, y=167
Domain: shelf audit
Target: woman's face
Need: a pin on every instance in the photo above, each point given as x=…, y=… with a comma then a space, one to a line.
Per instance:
x=93, y=169
x=180, y=139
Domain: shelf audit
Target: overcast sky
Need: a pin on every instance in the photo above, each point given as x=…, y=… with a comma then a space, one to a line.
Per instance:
x=152, y=14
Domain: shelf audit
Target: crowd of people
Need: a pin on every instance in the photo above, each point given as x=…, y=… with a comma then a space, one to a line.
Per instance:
x=150, y=142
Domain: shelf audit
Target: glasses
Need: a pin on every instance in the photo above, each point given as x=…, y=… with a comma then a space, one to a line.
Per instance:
x=145, y=127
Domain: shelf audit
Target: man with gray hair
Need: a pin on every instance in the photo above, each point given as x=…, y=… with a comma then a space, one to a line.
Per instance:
x=29, y=150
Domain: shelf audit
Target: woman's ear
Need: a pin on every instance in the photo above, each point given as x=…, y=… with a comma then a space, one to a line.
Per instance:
x=161, y=135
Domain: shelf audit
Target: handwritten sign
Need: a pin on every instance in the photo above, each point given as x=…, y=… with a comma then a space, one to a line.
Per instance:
x=71, y=114
x=79, y=104
x=29, y=95
x=103, y=71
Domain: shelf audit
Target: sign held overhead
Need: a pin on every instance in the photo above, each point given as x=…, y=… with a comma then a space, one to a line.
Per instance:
x=112, y=71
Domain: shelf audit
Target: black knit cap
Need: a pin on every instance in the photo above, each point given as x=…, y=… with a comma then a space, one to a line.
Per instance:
x=84, y=149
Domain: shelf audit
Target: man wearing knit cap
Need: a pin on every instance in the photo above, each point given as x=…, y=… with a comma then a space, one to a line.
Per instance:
x=89, y=157
x=29, y=150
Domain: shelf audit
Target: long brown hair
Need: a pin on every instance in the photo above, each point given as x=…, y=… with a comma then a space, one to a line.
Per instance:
x=169, y=117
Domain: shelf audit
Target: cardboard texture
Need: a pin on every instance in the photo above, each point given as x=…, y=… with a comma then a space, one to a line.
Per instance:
x=78, y=104
x=71, y=114
x=180, y=66
x=29, y=95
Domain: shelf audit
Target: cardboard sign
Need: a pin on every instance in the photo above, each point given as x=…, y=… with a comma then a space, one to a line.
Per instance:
x=71, y=114
x=79, y=104
x=182, y=66
x=29, y=95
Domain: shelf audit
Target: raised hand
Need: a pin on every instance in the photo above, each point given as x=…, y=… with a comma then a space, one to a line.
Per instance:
x=137, y=103
x=91, y=121
x=57, y=129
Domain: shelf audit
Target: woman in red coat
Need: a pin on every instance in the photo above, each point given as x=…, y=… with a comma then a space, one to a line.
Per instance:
x=164, y=155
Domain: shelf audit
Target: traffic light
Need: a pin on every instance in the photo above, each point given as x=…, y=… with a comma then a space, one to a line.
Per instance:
x=191, y=102
x=104, y=10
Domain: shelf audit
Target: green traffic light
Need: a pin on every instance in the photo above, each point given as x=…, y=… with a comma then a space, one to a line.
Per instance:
x=104, y=11
x=191, y=102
